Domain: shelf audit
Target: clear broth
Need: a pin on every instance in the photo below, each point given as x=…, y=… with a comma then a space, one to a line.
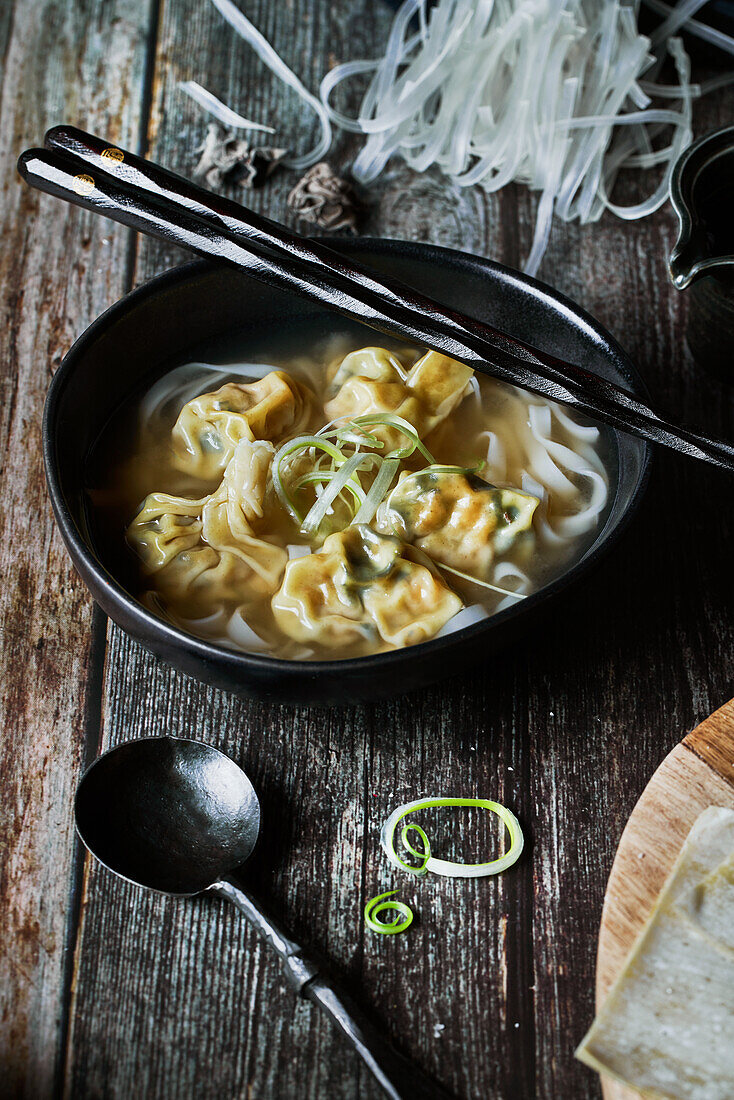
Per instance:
x=130, y=461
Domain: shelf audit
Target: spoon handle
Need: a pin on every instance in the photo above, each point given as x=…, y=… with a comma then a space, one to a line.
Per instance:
x=397, y=1076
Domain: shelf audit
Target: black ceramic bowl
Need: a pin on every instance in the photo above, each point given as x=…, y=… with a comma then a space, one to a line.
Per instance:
x=161, y=321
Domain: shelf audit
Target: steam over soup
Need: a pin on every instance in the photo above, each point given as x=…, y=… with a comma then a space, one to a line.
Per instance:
x=347, y=502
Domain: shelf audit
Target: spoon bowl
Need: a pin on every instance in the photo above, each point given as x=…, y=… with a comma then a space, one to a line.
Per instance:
x=168, y=813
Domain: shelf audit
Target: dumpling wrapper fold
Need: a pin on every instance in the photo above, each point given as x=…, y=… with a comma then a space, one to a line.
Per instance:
x=363, y=585
x=203, y=554
x=210, y=426
x=377, y=364
x=435, y=385
x=456, y=518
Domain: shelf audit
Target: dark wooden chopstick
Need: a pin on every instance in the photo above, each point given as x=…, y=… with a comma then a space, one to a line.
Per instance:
x=264, y=234
x=146, y=197
x=341, y=273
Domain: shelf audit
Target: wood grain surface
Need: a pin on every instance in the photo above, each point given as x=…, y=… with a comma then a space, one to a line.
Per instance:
x=696, y=774
x=494, y=986
x=58, y=269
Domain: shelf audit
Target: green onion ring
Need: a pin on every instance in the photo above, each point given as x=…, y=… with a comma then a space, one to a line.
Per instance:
x=423, y=855
x=402, y=920
x=443, y=866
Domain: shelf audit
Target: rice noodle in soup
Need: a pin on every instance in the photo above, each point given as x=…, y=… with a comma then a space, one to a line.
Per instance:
x=349, y=501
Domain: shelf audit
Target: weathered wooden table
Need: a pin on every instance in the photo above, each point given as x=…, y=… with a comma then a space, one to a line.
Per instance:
x=108, y=992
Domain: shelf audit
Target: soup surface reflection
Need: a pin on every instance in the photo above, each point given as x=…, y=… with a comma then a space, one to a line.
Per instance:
x=345, y=501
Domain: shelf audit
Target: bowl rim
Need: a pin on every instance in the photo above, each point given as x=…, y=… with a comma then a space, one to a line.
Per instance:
x=257, y=663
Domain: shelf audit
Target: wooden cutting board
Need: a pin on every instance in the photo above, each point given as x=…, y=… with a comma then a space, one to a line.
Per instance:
x=698, y=773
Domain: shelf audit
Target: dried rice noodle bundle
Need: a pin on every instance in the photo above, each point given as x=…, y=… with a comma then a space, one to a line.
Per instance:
x=492, y=91
x=528, y=90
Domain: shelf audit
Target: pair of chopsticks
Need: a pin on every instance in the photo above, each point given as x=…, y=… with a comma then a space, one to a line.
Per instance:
x=141, y=194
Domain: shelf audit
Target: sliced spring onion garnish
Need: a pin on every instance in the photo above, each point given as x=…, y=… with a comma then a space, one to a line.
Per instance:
x=403, y=914
x=484, y=584
x=424, y=853
x=486, y=93
x=319, y=478
x=401, y=425
x=330, y=426
x=377, y=491
x=284, y=496
x=335, y=472
x=443, y=866
x=343, y=478
x=292, y=447
x=354, y=431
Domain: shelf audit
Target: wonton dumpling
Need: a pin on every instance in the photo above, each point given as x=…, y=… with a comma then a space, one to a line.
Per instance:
x=164, y=526
x=456, y=518
x=209, y=428
x=203, y=553
x=438, y=383
x=362, y=584
x=433, y=389
x=412, y=603
x=375, y=363
x=190, y=575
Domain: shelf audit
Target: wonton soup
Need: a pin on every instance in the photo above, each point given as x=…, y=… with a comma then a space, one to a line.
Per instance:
x=347, y=501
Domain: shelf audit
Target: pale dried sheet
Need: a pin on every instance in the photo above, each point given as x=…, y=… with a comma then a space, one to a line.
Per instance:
x=666, y=1027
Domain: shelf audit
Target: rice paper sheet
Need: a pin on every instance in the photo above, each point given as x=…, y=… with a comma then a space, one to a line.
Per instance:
x=667, y=1026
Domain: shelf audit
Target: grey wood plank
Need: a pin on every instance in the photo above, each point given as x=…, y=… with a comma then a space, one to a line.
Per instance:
x=58, y=269
x=493, y=987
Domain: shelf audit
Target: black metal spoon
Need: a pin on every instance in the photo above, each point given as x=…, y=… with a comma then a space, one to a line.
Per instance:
x=180, y=817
